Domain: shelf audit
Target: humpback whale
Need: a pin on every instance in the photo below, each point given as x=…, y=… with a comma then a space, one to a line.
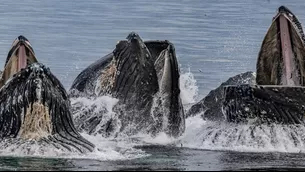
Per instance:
x=210, y=107
x=275, y=93
x=34, y=104
x=144, y=77
x=278, y=96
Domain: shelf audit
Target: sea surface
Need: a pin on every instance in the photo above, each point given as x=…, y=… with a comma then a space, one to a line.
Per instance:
x=214, y=40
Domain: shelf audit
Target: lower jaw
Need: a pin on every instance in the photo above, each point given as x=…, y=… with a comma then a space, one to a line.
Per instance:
x=37, y=123
x=264, y=104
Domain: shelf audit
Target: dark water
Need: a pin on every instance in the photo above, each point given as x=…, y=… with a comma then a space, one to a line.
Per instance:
x=213, y=39
x=167, y=158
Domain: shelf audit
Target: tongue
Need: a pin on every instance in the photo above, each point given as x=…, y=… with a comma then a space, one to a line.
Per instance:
x=22, y=59
x=286, y=53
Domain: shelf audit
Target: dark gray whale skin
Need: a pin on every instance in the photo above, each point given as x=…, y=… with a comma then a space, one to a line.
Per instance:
x=144, y=77
x=210, y=107
x=36, y=84
x=257, y=104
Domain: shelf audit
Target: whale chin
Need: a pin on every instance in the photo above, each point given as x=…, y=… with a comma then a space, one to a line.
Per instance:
x=264, y=104
x=34, y=106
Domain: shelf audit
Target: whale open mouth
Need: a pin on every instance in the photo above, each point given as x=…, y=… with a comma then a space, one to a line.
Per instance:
x=137, y=73
x=144, y=76
x=278, y=96
x=153, y=67
x=168, y=74
x=282, y=53
x=34, y=104
x=20, y=55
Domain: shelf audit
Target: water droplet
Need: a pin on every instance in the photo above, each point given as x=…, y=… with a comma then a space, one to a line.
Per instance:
x=263, y=112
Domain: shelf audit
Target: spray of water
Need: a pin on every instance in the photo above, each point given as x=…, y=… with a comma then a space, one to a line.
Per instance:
x=189, y=88
x=100, y=110
x=209, y=135
x=189, y=91
x=105, y=150
x=199, y=134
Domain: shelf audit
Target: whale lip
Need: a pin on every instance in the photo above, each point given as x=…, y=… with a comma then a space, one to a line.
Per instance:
x=282, y=10
x=176, y=117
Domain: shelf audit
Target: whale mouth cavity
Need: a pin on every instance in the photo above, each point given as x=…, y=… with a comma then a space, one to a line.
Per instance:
x=22, y=60
x=289, y=63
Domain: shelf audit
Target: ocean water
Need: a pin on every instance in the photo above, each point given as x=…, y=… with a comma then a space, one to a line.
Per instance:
x=214, y=40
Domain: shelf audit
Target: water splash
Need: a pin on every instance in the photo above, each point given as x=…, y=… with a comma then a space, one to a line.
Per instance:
x=199, y=134
x=105, y=150
x=160, y=139
x=92, y=115
x=188, y=87
x=113, y=149
x=100, y=110
x=209, y=135
x=189, y=91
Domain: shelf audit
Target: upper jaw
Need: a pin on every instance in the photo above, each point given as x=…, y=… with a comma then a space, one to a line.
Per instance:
x=292, y=19
x=19, y=57
x=136, y=46
x=21, y=42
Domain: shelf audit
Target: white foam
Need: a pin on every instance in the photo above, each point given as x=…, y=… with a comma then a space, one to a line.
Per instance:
x=188, y=87
x=103, y=101
x=105, y=150
x=112, y=149
x=161, y=139
x=208, y=135
x=100, y=108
